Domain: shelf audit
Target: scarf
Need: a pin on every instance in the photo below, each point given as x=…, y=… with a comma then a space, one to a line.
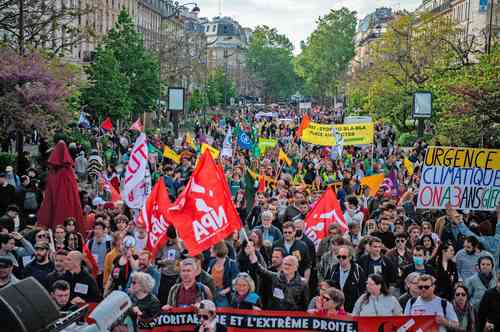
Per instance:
x=485, y=279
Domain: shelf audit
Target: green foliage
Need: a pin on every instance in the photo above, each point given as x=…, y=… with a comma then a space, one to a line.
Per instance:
x=327, y=53
x=126, y=70
x=426, y=53
x=218, y=86
x=199, y=101
x=109, y=93
x=270, y=59
x=7, y=159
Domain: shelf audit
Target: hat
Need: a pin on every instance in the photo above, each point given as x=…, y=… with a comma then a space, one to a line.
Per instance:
x=42, y=245
x=6, y=261
x=206, y=305
x=13, y=207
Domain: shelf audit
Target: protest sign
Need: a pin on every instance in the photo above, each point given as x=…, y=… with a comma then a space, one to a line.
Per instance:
x=353, y=134
x=236, y=320
x=267, y=143
x=464, y=178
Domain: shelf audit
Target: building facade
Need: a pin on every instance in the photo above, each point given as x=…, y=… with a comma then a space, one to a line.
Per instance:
x=370, y=28
x=227, y=44
x=475, y=17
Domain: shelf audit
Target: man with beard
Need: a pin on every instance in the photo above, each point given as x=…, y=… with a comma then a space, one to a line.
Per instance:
x=266, y=285
x=146, y=267
x=41, y=266
x=59, y=268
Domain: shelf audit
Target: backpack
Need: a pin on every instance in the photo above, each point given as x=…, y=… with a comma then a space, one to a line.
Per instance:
x=108, y=245
x=30, y=201
x=444, y=304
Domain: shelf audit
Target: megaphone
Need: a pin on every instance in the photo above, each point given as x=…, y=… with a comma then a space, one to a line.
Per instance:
x=109, y=311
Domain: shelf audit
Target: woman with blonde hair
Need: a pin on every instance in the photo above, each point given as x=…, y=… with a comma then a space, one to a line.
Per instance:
x=244, y=296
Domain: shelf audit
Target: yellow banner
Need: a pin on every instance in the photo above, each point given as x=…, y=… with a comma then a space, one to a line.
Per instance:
x=353, y=134
x=462, y=157
x=171, y=154
x=213, y=151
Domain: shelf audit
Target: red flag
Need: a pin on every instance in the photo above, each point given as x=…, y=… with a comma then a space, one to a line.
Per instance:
x=325, y=211
x=204, y=213
x=137, y=126
x=303, y=125
x=154, y=216
x=107, y=124
x=262, y=184
x=90, y=260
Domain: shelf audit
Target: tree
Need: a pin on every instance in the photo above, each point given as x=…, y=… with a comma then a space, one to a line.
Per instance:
x=270, y=59
x=469, y=100
x=220, y=88
x=327, y=53
x=108, y=95
x=135, y=63
x=34, y=91
x=43, y=24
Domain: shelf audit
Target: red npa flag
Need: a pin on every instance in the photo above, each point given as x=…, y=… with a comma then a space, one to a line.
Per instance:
x=154, y=217
x=325, y=211
x=204, y=213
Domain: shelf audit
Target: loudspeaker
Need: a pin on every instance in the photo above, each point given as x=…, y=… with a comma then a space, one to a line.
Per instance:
x=26, y=307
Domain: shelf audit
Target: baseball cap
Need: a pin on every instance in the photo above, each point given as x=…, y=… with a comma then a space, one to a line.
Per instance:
x=6, y=261
x=207, y=305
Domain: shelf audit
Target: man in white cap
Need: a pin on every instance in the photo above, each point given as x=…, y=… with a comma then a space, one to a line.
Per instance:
x=207, y=317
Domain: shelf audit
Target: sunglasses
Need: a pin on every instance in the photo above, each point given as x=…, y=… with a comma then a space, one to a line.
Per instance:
x=288, y=232
x=41, y=235
x=341, y=257
x=204, y=317
x=426, y=287
x=461, y=294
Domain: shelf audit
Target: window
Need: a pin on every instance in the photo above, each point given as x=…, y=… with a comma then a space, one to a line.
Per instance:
x=214, y=27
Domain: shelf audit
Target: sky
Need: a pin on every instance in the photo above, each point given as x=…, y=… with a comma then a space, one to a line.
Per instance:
x=294, y=18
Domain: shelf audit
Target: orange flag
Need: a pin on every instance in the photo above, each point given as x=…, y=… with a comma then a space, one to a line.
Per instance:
x=303, y=125
x=373, y=182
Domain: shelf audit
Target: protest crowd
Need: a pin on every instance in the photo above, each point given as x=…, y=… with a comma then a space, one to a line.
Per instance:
x=244, y=212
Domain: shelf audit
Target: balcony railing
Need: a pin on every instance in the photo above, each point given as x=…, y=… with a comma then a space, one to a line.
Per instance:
x=443, y=7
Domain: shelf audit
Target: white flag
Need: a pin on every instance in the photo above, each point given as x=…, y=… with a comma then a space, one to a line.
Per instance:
x=227, y=146
x=339, y=144
x=137, y=183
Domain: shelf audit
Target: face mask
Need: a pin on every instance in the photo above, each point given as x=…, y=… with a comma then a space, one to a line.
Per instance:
x=418, y=260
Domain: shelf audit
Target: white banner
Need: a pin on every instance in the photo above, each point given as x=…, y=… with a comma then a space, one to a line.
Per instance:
x=137, y=183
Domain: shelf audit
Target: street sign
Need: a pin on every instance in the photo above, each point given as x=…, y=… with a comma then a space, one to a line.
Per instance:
x=422, y=105
x=175, y=99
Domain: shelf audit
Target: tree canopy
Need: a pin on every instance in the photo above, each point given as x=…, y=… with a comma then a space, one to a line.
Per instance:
x=270, y=60
x=327, y=53
x=124, y=67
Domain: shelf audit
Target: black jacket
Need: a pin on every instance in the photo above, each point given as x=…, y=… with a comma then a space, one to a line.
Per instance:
x=354, y=286
x=82, y=285
x=489, y=309
x=300, y=250
x=286, y=295
x=389, y=270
